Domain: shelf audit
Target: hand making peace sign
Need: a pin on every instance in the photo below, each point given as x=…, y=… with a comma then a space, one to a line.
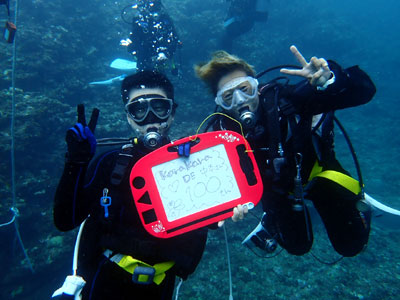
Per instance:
x=80, y=138
x=316, y=71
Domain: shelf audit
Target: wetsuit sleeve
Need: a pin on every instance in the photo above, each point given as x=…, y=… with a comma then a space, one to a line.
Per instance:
x=78, y=189
x=69, y=209
x=186, y=251
x=352, y=87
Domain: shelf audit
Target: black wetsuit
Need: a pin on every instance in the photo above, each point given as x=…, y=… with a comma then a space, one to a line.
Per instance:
x=348, y=229
x=153, y=32
x=78, y=196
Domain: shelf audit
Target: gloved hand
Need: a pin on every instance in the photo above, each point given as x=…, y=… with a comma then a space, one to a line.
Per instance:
x=80, y=139
x=71, y=288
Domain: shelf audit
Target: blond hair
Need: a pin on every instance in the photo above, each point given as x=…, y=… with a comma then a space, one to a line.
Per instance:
x=221, y=64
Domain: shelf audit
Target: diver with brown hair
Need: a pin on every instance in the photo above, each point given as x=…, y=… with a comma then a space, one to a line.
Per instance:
x=290, y=129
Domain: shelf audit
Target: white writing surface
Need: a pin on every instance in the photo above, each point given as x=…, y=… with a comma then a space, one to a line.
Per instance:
x=191, y=184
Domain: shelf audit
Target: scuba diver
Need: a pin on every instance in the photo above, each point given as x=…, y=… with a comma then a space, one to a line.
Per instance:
x=118, y=258
x=242, y=14
x=100, y=193
x=290, y=128
x=153, y=39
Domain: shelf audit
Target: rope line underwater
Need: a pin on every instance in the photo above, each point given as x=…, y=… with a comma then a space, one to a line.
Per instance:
x=14, y=209
x=228, y=258
x=16, y=214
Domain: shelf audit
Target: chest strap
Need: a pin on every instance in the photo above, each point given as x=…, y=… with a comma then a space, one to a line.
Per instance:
x=142, y=273
x=124, y=159
x=341, y=179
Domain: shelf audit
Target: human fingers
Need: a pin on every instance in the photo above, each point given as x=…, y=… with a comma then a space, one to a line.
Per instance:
x=325, y=65
x=76, y=133
x=240, y=208
x=300, y=58
x=239, y=212
x=316, y=78
x=236, y=214
x=93, y=119
x=81, y=114
x=316, y=63
x=292, y=72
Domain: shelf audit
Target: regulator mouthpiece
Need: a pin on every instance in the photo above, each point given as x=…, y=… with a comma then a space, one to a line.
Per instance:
x=152, y=140
x=248, y=119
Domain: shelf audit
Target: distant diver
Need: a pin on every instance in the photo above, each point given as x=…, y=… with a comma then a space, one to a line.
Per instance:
x=241, y=17
x=153, y=39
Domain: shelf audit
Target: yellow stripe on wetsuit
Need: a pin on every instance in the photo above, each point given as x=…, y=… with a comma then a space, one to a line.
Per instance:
x=341, y=179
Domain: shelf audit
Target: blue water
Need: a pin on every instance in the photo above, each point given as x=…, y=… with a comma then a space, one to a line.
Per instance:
x=64, y=45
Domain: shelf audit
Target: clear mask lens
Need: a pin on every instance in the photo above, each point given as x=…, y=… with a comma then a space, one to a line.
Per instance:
x=236, y=92
x=140, y=108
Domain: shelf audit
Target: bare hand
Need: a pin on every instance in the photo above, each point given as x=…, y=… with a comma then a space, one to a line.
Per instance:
x=316, y=71
x=238, y=214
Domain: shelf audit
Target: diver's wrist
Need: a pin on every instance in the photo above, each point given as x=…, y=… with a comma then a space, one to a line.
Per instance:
x=330, y=81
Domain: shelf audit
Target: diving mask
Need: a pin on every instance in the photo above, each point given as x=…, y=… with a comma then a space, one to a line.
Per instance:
x=236, y=92
x=140, y=107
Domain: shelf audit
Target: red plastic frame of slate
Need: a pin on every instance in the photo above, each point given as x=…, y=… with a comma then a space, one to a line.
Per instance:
x=160, y=194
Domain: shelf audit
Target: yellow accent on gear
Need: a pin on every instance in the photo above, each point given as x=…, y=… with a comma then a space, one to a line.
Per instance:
x=341, y=179
x=315, y=171
x=128, y=263
x=345, y=181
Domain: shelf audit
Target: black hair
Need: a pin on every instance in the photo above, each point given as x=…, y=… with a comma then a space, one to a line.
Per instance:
x=146, y=79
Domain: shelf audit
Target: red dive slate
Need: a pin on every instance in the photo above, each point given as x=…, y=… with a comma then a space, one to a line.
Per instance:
x=174, y=194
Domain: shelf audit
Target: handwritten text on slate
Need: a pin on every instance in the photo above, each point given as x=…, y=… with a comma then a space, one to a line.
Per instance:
x=203, y=180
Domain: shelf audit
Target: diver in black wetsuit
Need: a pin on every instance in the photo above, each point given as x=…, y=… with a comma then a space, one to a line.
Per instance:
x=114, y=232
x=290, y=129
x=153, y=39
x=242, y=14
